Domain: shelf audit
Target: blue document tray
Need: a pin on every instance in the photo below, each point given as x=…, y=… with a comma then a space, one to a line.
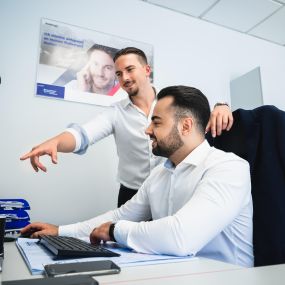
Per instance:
x=15, y=219
x=14, y=204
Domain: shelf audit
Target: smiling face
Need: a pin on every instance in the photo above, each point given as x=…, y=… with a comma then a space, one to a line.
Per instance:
x=163, y=130
x=132, y=73
x=102, y=70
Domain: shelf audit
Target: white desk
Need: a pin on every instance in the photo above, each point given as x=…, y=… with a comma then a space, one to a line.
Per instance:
x=197, y=271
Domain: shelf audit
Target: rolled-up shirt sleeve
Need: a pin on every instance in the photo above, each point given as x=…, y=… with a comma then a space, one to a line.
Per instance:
x=91, y=132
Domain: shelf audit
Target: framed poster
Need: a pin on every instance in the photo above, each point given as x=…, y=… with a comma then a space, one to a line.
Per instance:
x=76, y=64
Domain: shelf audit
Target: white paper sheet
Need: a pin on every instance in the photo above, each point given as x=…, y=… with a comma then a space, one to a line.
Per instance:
x=36, y=256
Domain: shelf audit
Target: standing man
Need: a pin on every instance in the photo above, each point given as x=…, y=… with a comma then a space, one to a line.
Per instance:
x=199, y=199
x=127, y=121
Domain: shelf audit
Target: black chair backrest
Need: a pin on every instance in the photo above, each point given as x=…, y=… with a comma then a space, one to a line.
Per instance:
x=258, y=136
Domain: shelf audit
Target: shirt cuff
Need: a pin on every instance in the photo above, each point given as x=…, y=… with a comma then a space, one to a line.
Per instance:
x=77, y=138
x=121, y=231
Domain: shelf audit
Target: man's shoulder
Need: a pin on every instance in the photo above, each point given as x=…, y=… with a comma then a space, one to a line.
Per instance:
x=217, y=156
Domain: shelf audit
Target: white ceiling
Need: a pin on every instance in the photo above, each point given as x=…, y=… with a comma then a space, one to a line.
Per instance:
x=263, y=19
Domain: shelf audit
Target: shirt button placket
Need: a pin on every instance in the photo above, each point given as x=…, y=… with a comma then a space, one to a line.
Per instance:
x=170, y=198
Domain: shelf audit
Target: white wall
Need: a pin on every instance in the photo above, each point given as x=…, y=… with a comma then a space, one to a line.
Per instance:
x=187, y=51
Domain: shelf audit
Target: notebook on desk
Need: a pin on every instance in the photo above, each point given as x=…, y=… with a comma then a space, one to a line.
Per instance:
x=69, y=247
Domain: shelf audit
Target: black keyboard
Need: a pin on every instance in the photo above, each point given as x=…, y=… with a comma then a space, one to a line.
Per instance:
x=69, y=247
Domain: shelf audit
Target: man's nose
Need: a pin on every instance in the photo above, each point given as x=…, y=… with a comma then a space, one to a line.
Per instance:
x=125, y=77
x=99, y=70
x=148, y=130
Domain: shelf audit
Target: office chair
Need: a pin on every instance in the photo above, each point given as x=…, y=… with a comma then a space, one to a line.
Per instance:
x=258, y=136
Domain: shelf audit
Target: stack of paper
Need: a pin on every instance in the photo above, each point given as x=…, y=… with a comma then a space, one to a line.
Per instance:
x=37, y=256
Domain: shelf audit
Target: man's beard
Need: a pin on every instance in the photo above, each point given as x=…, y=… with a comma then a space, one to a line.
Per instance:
x=131, y=92
x=169, y=144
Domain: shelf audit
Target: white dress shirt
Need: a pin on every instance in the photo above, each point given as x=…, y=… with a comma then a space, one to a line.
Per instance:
x=128, y=124
x=202, y=207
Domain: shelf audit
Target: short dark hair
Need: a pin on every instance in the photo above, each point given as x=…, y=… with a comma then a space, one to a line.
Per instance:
x=109, y=50
x=188, y=101
x=132, y=50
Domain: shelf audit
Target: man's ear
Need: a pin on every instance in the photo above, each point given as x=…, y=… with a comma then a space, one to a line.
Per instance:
x=187, y=126
x=148, y=70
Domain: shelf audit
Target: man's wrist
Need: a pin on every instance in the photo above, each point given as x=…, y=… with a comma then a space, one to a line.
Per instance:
x=111, y=232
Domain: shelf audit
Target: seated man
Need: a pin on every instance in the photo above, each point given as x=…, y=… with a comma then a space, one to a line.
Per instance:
x=199, y=200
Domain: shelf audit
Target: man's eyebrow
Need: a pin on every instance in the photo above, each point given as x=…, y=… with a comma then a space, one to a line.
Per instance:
x=155, y=118
x=129, y=66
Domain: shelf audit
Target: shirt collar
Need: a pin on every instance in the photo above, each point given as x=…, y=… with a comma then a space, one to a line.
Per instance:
x=194, y=158
x=126, y=102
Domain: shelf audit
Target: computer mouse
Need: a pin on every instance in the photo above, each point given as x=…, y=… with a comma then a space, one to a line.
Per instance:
x=26, y=234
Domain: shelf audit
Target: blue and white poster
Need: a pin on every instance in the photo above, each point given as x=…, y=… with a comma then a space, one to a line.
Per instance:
x=76, y=64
